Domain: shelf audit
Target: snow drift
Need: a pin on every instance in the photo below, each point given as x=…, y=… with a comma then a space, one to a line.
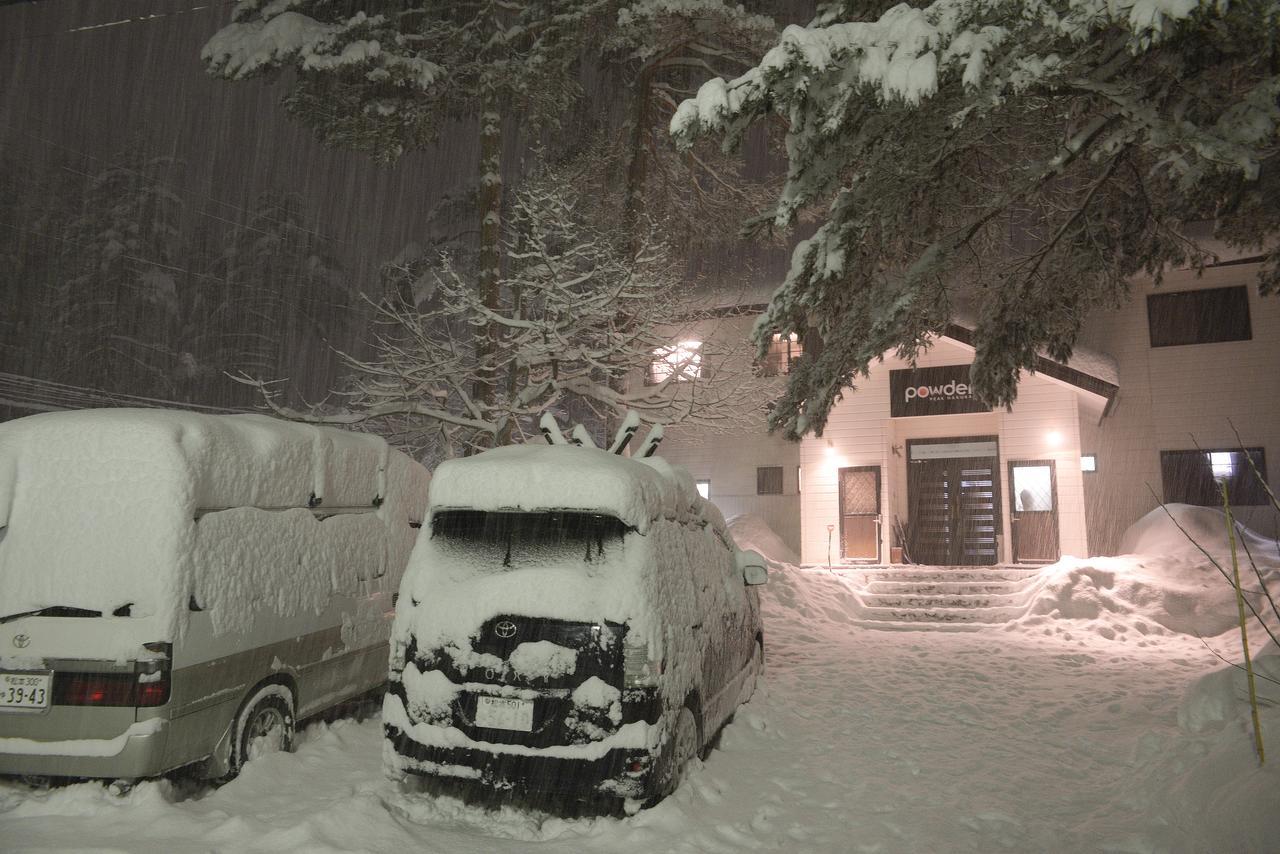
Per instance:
x=1164, y=579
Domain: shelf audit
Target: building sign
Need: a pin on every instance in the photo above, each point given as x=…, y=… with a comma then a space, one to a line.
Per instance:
x=932, y=391
x=952, y=450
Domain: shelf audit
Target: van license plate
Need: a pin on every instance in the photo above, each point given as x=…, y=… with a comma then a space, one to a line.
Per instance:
x=504, y=713
x=24, y=691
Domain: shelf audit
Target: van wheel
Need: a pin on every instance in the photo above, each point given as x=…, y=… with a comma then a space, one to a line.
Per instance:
x=685, y=747
x=265, y=726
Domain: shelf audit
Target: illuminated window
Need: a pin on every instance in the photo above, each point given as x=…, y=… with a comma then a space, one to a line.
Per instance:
x=1088, y=462
x=783, y=350
x=1222, y=464
x=1193, y=477
x=683, y=361
x=704, y=488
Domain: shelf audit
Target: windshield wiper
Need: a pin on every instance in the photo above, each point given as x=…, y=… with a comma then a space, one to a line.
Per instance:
x=53, y=611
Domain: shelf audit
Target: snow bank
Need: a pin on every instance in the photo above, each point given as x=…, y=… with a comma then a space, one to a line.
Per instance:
x=751, y=532
x=1164, y=581
x=1212, y=773
x=1157, y=534
x=100, y=509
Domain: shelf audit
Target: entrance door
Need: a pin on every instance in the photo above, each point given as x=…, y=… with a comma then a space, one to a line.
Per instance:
x=1033, y=502
x=953, y=488
x=860, y=513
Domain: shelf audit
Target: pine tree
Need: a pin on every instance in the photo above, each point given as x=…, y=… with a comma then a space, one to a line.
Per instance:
x=121, y=301
x=663, y=51
x=1016, y=160
x=385, y=83
x=277, y=299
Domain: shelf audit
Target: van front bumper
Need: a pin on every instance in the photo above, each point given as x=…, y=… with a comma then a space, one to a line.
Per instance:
x=136, y=752
x=622, y=772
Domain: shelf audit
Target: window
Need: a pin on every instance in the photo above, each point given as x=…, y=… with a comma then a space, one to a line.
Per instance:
x=1088, y=462
x=1192, y=477
x=769, y=480
x=704, y=488
x=682, y=361
x=1199, y=317
x=510, y=539
x=783, y=350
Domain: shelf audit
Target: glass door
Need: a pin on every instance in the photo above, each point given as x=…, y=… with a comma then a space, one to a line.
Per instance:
x=1033, y=522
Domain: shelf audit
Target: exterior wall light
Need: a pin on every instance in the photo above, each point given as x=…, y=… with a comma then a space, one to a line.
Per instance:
x=1054, y=438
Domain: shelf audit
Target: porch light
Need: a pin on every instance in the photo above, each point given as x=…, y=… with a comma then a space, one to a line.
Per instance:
x=1054, y=438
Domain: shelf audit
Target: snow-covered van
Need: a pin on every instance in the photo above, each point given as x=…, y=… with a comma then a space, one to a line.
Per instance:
x=177, y=588
x=573, y=624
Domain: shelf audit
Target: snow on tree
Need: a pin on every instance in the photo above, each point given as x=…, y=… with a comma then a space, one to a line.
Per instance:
x=664, y=49
x=385, y=83
x=567, y=281
x=1017, y=160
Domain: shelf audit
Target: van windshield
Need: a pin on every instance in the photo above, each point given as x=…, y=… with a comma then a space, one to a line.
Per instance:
x=510, y=538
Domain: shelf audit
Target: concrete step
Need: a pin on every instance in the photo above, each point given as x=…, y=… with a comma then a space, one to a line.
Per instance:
x=951, y=601
x=932, y=576
x=937, y=588
x=921, y=616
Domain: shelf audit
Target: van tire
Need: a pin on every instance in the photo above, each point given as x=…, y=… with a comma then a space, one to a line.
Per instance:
x=264, y=725
x=685, y=747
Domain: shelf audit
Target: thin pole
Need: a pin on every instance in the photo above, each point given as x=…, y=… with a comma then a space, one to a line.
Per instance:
x=1244, y=634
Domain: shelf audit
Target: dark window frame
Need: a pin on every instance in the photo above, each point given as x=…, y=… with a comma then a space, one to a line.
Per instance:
x=1183, y=318
x=781, y=355
x=1187, y=477
x=763, y=472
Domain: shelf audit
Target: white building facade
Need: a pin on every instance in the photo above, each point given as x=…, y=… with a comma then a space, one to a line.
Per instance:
x=910, y=468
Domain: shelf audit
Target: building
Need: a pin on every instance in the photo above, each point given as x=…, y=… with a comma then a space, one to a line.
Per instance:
x=1146, y=411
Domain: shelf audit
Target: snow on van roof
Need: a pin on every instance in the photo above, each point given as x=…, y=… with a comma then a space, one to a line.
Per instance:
x=98, y=507
x=569, y=477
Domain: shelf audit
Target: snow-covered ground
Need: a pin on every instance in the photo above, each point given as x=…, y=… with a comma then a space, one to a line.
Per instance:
x=1077, y=728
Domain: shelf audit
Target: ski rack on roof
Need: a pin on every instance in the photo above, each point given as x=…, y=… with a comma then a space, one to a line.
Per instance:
x=554, y=435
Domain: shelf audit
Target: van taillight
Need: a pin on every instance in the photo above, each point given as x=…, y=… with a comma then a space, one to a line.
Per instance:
x=637, y=669
x=111, y=689
x=154, y=693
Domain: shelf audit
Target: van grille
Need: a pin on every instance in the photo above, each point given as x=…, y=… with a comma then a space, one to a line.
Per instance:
x=556, y=719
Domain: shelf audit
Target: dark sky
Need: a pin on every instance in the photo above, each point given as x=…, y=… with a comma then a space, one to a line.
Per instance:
x=89, y=92
x=92, y=92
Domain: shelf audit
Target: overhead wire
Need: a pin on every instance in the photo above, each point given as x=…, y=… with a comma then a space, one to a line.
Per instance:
x=34, y=393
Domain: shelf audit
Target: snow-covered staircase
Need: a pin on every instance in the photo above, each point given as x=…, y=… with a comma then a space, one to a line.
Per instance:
x=960, y=597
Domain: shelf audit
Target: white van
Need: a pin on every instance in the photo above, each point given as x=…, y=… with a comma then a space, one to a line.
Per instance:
x=573, y=625
x=177, y=588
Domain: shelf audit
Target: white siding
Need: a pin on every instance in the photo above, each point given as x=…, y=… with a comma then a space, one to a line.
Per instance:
x=729, y=456
x=1168, y=395
x=860, y=432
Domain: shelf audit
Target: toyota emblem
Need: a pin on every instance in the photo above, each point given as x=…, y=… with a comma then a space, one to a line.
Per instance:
x=505, y=629
x=22, y=641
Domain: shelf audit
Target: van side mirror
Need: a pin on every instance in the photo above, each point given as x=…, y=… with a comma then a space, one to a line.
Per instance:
x=753, y=567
